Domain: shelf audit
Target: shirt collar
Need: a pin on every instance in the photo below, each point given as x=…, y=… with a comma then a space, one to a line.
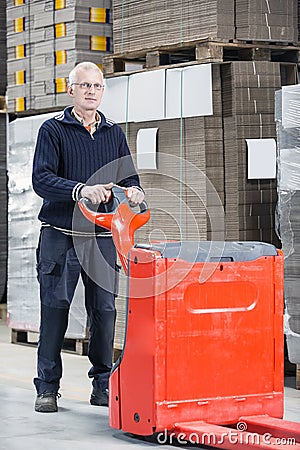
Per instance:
x=92, y=126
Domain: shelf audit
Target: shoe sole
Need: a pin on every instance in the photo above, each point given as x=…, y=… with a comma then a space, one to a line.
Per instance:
x=96, y=401
x=45, y=408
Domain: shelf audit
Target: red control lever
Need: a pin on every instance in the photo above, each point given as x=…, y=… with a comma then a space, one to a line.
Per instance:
x=121, y=219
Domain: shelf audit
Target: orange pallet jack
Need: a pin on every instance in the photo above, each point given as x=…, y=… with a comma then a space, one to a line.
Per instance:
x=203, y=355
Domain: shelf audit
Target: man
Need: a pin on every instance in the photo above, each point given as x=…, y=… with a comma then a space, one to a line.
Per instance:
x=79, y=153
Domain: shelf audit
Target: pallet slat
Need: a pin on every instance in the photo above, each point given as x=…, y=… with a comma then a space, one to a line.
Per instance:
x=78, y=346
x=24, y=337
x=202, y=51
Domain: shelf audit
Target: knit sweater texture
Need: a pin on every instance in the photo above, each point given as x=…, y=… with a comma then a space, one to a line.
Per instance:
x=67, y=155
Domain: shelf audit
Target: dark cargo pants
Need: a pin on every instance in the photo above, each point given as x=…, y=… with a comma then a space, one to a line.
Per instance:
x=60, y=263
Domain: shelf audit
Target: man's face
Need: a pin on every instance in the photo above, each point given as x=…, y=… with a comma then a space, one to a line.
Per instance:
x=86, y=98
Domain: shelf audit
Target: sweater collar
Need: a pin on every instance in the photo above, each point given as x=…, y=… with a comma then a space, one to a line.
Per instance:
x=66, y=117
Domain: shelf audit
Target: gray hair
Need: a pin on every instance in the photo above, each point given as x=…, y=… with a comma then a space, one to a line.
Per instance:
x=85, y=65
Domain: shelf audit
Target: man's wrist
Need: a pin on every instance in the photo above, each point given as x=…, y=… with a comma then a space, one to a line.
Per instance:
x=139, y=188
x=76, y=193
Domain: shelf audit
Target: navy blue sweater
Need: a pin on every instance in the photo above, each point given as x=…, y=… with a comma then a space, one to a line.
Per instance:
x=66, y=155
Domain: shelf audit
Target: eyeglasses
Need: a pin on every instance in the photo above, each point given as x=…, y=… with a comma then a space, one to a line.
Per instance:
x=87, y=86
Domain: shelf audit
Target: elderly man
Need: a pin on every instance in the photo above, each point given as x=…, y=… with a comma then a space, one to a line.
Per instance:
x=79, y=153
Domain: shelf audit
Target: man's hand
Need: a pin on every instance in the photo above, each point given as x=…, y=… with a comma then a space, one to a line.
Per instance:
x=99, y=193
x=134, y=196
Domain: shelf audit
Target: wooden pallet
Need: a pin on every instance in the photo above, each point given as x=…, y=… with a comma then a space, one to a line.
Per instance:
x=78, y=346
x=30, y=338
x=205, y=51
x=298, y=376
x=3, y=311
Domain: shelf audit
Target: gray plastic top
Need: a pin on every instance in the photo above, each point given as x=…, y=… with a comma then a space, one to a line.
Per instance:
x=212, y=251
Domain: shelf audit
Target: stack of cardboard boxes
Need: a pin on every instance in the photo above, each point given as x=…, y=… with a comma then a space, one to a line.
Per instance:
x=143, y=25
x=3, y=172
x=45, y=39
x=218, y=145
x=266, y=20
x=248, y=99
x=3, y=215
x=201, y=188
x=2, y=50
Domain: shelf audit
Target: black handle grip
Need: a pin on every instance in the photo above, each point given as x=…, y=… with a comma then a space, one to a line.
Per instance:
x=118, y=197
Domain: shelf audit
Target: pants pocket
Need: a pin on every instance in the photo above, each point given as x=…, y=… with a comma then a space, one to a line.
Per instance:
x=46, y=268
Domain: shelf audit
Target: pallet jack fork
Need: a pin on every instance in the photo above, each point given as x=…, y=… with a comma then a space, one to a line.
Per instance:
x=203, y=355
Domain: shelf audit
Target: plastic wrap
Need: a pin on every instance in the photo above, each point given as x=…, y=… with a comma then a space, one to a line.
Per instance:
x=287, y=105
x=23, y=232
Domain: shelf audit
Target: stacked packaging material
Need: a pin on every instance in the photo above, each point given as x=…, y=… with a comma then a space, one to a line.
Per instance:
x=298, y=20
x=3, y=179
x=2, y=49
x=243, y=109
x=169, y=191
x=142, y=24
x=185, y=193
x=214, y=160
x=288, y=211
x=3, y=215
x=23, y=232
x=45, y=40
x=214, y=149
x=273, y=20
x=248, y=90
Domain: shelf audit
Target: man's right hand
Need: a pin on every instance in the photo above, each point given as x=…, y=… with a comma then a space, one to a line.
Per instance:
x=99, y=193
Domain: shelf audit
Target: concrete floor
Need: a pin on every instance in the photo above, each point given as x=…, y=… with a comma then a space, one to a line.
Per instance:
x=77, y=425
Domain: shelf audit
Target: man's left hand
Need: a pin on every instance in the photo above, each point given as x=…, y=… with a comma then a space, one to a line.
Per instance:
x=134, y=196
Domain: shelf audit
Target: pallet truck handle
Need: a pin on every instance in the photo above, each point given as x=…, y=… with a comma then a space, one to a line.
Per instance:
x=120, y=218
